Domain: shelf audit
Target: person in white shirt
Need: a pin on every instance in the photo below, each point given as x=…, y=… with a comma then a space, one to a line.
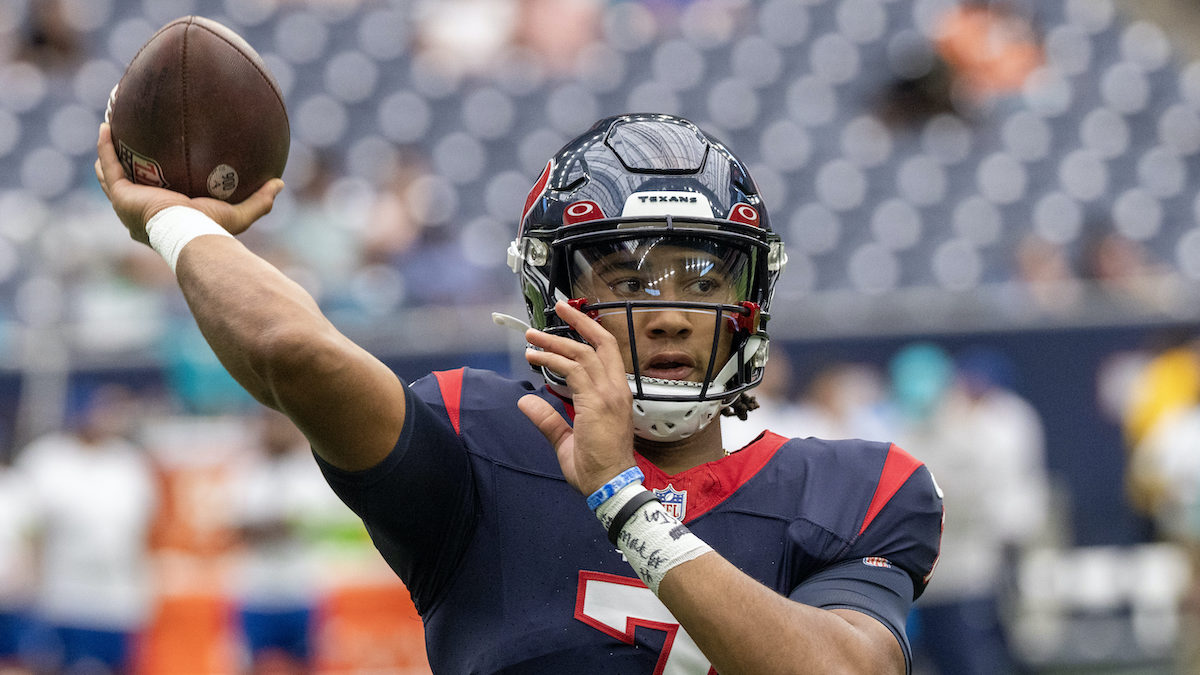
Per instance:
x=281, y=506
x=987, y=445
x=93, y=495
x=16, y=569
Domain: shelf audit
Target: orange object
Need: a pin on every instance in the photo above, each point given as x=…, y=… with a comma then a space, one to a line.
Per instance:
x=371, y=629
x=189, y=634
x=992, y=50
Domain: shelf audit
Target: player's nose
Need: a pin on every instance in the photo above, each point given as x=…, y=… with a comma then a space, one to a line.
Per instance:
x=671, y=322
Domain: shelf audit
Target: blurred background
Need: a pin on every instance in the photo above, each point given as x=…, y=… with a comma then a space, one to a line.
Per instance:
x=992, y=215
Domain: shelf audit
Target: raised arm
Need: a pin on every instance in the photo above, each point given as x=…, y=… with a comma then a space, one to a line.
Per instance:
x=266, y=330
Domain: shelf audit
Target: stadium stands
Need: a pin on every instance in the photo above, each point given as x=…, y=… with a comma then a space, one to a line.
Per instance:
x=1102, y=138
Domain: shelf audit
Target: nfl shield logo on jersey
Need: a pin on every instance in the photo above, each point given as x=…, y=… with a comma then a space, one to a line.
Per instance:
x=674, y=501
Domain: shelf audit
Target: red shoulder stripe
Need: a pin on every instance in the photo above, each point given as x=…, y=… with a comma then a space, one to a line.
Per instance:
x=897, y=467
x=450, y=382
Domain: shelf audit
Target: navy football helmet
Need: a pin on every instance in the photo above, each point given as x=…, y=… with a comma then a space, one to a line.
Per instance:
x=653, y=227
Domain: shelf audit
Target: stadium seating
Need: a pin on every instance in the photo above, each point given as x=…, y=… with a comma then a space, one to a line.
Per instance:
x=1105, y=137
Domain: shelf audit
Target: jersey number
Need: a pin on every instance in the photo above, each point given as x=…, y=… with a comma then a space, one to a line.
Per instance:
x=619, y=605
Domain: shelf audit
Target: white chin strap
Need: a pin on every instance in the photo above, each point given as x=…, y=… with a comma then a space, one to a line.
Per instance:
x=668, y=421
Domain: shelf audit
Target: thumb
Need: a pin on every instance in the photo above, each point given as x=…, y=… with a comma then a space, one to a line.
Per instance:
x=545, y=418
x=255, y=206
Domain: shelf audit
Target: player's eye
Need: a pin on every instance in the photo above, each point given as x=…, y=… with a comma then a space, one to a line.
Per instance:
x=703, y=287
x=627, y=286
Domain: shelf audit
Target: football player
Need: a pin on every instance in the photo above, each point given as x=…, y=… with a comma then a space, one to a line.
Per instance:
x=592, y=522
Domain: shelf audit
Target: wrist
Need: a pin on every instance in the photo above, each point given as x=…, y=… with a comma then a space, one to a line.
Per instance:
x=630, y=476
x=652, y=541
x=174, y=227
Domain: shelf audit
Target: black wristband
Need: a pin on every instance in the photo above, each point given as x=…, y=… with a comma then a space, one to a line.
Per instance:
x=626, y=512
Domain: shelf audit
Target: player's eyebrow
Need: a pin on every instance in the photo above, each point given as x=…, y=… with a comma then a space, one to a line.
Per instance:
x=618, y=262
x=622, y=265
x=649, y=260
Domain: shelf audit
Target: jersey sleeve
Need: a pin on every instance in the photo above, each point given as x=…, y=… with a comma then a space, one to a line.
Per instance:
x=892, y=548
x=903, y=522
x=419, y=503
x=871, y=586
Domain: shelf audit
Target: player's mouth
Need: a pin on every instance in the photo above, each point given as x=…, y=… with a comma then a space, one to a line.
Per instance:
x=669, y=366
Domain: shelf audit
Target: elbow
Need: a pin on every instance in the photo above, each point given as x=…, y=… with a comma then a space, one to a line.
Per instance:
x=290, y=360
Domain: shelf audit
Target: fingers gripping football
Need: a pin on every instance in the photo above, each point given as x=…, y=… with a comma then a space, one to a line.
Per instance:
x=600, y=444
x=135, y=204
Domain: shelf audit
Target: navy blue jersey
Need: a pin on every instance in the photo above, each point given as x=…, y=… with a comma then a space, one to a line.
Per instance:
x=512, y=573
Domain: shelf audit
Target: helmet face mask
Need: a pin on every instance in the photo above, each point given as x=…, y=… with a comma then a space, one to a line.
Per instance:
x=657, y=231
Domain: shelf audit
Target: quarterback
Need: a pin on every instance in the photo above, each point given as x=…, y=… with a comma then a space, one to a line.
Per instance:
x=591, y=521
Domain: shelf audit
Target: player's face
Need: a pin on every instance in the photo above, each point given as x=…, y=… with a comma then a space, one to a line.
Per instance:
x=673, y=342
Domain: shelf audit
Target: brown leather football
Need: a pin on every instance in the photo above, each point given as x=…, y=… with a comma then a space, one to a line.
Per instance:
x=198, y=112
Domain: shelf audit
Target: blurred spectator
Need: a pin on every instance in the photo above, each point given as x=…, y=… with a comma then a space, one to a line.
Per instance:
x=464, y=37
x=123, y=306
x=94, y=496
x=16, y=571
x=920, y=375
x=1046, y=278
x=1166, y=386
x=197, y=381
x=979, y=50
x=1123, y=272
x=840, y=401
x=843, y=401
x=48, y=38
x=1006, y=431
x=1164, y=469
x=395, y=215
x=1169, y=382
x=918, y=95
x=281, y=507
x=323, y=244
x=556, y=31
x=425, y=282
x=985, y=446
x=1170, y=452
x=990, y=46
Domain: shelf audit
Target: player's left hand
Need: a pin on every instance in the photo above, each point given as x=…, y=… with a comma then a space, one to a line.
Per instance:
x=600, y=444
x=136, y=204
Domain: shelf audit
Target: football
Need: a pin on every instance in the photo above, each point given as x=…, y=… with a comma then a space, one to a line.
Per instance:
x=197, y=111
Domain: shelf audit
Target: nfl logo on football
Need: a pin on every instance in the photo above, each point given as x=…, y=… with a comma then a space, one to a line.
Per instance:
x=674, y=501
x=144, y=170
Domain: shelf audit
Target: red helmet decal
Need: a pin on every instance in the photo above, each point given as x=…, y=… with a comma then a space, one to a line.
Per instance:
x=581, y=212
x=536, y=192
x=745, y=214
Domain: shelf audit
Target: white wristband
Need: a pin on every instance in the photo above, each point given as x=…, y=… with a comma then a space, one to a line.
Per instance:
x=608, y=509
x=172, y=228
x=653, y=541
